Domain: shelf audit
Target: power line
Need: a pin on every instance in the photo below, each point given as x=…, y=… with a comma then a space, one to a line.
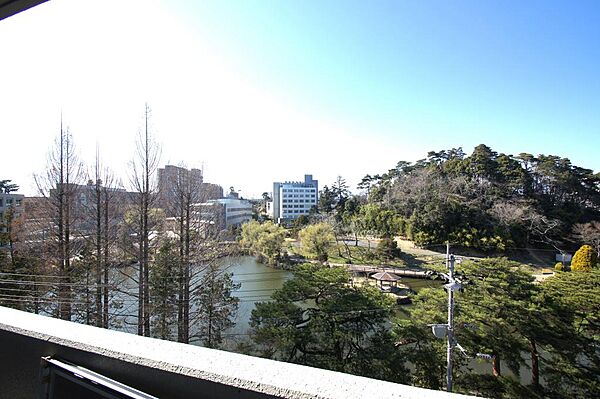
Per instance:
x=33, y=275
x=42, y=283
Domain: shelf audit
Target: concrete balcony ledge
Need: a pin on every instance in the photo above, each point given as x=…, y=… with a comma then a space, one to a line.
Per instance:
x=169, y=369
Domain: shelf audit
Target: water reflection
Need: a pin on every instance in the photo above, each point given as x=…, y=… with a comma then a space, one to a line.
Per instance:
x=258, y=282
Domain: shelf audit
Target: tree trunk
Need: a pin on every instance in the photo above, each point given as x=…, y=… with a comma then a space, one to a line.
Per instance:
x=186, y=280
x=66, y=309
x=88, y=304
x=535, y=363
x=146, y=164
x=496, y=372
x=98, y=318
x=105, y=263
x=141, y=272
x=337, y=244
x=181, y=278
x=61, y=228
x=36, y=296
x=210, y=318
x=66, y=305
x=146, y=238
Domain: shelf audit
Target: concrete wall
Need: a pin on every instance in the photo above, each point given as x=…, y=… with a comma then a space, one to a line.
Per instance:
x=168, y=369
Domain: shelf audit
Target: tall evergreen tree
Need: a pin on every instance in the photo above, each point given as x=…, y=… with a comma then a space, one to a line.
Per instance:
x=216, y=305
x=163, y=280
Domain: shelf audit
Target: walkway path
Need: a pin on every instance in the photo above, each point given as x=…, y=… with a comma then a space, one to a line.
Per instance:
x=414, y=273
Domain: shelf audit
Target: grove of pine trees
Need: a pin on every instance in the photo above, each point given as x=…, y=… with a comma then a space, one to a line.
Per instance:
x=486, y=200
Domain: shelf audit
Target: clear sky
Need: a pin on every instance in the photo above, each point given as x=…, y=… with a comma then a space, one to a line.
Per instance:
x=263, y=91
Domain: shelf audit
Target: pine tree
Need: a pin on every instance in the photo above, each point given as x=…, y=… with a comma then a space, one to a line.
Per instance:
x=217, y=306
x=163, y=290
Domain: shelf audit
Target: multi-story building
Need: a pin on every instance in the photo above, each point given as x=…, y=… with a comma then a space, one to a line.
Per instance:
x=169, y=179
x=83, y=198
x=223, y=213
x=237, y=211
x=9, y=201
x=210, y=191
x=292, y=199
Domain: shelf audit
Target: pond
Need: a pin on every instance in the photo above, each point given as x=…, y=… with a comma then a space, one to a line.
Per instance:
x=257, y=283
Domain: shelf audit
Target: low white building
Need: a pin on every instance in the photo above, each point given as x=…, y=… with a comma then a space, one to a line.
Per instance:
x=223, y=213
x=237, y=211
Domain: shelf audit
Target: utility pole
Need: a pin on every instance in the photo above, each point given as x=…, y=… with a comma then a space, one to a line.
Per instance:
x=450, y=328
x=441, y=331
x=447, y=330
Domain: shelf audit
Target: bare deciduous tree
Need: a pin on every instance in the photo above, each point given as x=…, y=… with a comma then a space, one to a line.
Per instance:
x=143, y=170
x=186, y=192
x=59, y=186
x=588, y=233
x=102, y=217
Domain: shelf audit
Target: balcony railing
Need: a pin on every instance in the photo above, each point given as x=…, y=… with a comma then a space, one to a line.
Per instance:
x=167, y=369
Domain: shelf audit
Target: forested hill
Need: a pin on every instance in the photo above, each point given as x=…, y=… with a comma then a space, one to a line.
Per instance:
x=490, y=201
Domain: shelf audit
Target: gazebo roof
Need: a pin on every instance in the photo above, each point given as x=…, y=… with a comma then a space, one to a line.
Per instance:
x=385, y=276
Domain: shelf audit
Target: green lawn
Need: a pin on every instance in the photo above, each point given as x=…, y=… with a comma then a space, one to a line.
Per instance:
x=355, y=255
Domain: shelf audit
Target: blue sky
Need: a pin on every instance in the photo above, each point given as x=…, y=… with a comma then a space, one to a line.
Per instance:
x=521, y=76
x=263, y=91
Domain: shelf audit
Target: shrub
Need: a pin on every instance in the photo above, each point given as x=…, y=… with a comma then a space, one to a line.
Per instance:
x=387, y=249
x=584, y=259
x=559, y=266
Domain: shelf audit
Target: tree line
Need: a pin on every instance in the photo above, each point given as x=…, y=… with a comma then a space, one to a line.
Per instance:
x=88, y=250
x=486, y=201
x=490, y=201
x=73, y=254
x=548, y=330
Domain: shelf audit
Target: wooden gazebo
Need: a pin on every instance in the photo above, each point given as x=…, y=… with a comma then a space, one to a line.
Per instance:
x=387, y=277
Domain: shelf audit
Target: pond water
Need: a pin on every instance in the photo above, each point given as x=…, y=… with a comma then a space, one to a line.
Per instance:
x=257, y=283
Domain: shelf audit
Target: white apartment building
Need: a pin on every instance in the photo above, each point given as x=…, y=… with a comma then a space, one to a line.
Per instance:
x=292, y=199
